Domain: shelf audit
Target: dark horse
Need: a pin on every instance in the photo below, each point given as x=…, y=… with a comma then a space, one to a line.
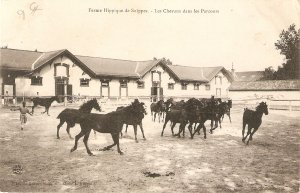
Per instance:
x=253, y=120
x=71, y=116
x=174, y=113
x=46, y=102
x=157, y=108
x=135, y=123
x=108, y=123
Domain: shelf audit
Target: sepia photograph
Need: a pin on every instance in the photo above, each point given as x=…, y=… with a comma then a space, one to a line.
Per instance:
x=150, y=96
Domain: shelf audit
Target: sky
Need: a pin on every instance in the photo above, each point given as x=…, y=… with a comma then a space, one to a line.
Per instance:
x=241, y=33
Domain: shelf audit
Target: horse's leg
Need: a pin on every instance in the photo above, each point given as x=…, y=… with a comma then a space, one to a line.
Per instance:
x=135, y=132
x=44, y=111
x=196, y=130
x=190, y=127
x=154, y=116
x=116, y=140
x=113, y=135
x=248, y=133
x=68, y=131
x=211, y=126
x=126, y=128
x=142, y=130
x=85, y=140
x=164, y=126
x=204, y=131
x=182, y=129
x=229, y=117
x=33, y=108
x=172, y=128
x=77, y=137
x=48, y=110
x=243, y=131
x=255, y=129
x=58, y=127
x=159, y=116
x=121, y=133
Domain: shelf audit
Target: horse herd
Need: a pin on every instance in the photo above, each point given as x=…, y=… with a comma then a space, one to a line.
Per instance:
x=194, y=113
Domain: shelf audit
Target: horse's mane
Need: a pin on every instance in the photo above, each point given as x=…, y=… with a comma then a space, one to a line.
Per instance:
x=120, y=111
x=85, y=105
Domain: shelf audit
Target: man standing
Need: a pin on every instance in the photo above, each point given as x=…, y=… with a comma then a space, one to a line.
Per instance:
x=23, y=111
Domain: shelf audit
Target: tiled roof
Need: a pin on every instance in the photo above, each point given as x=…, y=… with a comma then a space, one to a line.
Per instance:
x=31, y=60
x=114, y=67
x=18, y=59
x=201, y=74
x=265, y=85
x=249, y=76
x=45, y=57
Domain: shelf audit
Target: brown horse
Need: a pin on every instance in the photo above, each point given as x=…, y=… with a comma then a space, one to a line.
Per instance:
x=108, y=123
x=135, y=123
x=45, y=102
x=157, y=108
x=253, y=120
x=71, y=116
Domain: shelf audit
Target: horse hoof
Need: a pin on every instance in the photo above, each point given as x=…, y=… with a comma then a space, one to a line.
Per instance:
x=145, y=138
x=91, y=154
x=136, y=141
x=58, y=138
x=73, y=149
x=121, y=153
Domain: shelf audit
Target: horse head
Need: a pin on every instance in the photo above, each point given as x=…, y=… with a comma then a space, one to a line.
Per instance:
x=138, y=108
x=95, y=104
x=88, y=106
x=144, y=108
x=263, y=107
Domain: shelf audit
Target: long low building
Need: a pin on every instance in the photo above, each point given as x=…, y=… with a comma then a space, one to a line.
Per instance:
x=32, y=73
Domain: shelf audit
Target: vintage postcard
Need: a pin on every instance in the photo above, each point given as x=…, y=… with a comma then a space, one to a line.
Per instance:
x=149, y=96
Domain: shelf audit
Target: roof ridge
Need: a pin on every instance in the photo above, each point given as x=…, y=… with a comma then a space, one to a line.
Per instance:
x=115, y=58
x=195, y=66
x=21, y=50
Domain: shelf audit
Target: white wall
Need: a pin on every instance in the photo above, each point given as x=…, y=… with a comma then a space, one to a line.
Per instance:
x=23, y=84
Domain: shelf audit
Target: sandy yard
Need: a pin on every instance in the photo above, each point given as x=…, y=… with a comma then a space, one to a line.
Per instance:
x=34, y=160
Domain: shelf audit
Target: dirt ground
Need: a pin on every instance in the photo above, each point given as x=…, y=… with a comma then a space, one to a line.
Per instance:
x=34, y=160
